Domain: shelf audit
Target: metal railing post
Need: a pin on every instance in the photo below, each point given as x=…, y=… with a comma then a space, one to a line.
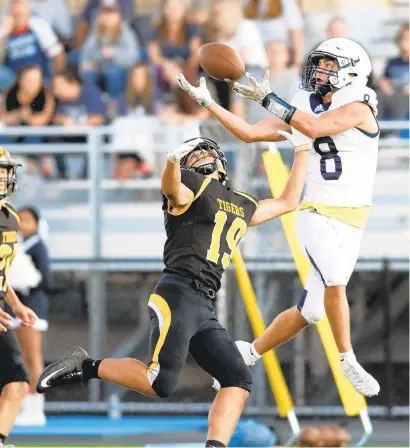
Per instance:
x=96, y=285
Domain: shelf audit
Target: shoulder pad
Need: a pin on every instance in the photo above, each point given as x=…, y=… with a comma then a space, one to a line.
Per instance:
x=355, y=92
x=300, y=98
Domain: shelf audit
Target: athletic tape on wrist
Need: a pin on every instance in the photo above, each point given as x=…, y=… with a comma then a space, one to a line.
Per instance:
x=278, y=107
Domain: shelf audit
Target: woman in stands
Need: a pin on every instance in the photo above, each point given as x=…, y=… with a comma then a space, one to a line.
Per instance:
x=31, y=276
x=28, y=103
x=110, y=51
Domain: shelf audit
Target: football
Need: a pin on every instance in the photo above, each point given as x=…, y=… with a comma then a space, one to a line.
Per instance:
x=221, y=62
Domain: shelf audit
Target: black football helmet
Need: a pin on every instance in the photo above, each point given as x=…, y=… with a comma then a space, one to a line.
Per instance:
x=212, y=148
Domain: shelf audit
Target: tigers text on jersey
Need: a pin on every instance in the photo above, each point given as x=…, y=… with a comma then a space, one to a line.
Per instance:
x=342, y=167
x=9, y=225
x=202, y=235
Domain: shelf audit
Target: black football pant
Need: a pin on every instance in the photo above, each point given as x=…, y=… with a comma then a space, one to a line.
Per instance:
x=183, y=321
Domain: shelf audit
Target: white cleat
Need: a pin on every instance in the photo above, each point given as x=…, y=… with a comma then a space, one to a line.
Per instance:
x=245, y=349
x=362, y=381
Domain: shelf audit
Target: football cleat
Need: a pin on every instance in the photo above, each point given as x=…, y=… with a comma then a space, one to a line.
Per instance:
x=362, y=381
x=67, y=370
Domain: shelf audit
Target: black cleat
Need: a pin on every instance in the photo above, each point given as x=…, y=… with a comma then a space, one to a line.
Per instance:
x=65, y=371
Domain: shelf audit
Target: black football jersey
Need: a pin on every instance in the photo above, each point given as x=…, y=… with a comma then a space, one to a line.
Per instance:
x=202, y=236
x=9, y=225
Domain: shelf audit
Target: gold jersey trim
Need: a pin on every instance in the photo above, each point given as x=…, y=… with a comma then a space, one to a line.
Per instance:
x=247, y=196
x=183, y=209
x=353, y=216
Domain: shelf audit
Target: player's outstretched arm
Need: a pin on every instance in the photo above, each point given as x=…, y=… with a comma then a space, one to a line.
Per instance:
x=335, y=121
x=265, y=131
x=176, y=192
x=289, y=199
x=329, y=123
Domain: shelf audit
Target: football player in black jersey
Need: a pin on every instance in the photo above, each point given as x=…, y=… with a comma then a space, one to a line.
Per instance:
x=204, y=222
x=13, y=376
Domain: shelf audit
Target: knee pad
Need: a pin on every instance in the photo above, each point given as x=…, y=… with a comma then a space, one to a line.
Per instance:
x=311, y=308
x=164, y=383
x=242, y=378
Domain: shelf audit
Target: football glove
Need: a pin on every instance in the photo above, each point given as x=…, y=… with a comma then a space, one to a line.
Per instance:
x=299, y=142
x=200, y=94
x=175, y=155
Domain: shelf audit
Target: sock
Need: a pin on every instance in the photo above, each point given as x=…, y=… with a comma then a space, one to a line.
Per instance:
x=90, y=368
x=2, y=438
x=254, y=352
x=349, y=355
x=214, y=443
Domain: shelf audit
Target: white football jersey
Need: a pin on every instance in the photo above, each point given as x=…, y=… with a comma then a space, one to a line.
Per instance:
x=342, y=167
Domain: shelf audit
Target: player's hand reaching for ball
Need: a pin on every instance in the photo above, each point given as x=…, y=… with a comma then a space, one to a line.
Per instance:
x=200, y=94
x=5, y=321
x=299, y=142
x=26, y=315
x=175, y=155
x=257, y=91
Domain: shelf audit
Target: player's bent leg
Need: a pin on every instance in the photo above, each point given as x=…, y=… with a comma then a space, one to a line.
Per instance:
x=11, y=398
x=284, y=327
x=127, y=372
x=217, y=354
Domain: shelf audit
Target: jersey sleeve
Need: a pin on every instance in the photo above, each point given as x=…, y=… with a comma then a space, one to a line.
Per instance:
x=192, y=180
x=355, y=93
x=249, y=204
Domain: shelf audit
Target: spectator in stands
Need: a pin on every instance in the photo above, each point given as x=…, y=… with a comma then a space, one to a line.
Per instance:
x=394, y=85
x=28, y=41
x=31, y=278
x=279, y=20
x=110, y=51
x=79, y=101
x=173, y=49
x=79, y=104
x=90, y=13
x=57, y=14
x=28, y=103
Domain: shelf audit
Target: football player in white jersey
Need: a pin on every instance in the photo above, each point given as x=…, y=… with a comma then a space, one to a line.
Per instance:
x=338, y=112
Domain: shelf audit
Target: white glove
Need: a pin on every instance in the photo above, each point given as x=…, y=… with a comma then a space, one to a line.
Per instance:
x=175, y=155
x=257, y=92
x=200, y=94
x=299, y=142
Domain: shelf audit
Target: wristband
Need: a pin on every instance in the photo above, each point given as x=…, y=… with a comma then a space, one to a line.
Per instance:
x=278, y=107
